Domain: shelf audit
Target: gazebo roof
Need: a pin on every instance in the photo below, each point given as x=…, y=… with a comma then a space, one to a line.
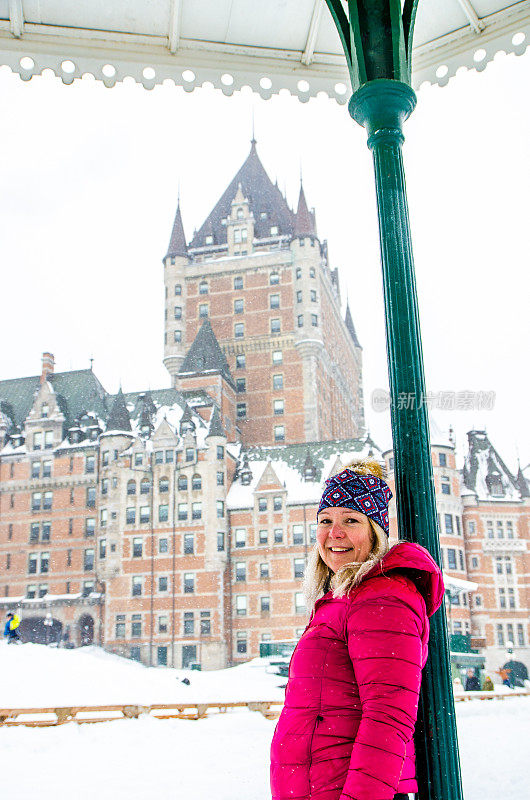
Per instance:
x=268, y=46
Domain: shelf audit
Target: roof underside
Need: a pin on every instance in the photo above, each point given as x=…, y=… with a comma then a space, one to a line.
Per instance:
x=231, y=43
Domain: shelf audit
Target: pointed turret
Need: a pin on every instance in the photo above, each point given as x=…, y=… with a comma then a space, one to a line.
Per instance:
x=119, y=419
x=177, y=243
x=216, y=426
x=268, y=206
x=205, y=355
x=304, y=223
x=351, y=327
x=522, y=483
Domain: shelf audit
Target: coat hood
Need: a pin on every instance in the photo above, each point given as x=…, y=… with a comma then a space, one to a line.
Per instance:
x=416, y=563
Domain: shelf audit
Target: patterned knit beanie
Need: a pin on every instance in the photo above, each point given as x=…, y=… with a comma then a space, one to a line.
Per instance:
x=360, y=487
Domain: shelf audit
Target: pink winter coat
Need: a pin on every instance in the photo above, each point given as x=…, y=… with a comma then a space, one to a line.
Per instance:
x=352, y=697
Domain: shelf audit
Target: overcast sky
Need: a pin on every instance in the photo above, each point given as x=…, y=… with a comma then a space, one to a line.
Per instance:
x=89, y=190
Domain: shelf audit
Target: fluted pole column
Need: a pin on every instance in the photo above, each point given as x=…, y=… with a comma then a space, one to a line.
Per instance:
x=382, y=106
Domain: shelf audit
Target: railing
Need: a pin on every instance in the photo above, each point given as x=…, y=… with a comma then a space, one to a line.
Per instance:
x=46, y=717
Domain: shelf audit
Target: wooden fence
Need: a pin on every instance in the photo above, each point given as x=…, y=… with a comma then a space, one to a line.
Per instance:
x=46, y=717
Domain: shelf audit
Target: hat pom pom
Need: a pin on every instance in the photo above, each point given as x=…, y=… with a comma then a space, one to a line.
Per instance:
x=366, y=466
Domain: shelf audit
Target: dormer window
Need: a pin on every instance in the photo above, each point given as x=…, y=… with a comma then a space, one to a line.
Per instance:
x=44, y=410
x=274, y=230
x=209, y=240
x=240, y=213
x=263, y=215
x=495, y=487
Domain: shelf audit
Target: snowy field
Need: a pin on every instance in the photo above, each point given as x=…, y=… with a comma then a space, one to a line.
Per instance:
x=217, y=758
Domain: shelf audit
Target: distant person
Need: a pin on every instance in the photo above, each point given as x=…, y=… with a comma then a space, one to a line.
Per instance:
x=488, y=684
x=472, y=683
x=11, y=628
x=505, y=676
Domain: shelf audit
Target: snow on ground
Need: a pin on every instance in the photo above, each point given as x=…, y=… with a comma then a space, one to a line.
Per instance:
x=223, y=757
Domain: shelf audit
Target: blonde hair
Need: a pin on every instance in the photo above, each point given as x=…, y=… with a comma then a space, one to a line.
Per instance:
x=319, y=578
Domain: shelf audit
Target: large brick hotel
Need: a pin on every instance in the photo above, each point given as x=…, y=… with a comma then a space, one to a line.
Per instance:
x=173, y=526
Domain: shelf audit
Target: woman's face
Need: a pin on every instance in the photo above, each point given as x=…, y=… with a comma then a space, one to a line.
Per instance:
x=343, y=536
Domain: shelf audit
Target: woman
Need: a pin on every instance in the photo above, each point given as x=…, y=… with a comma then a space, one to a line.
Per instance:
x=352, y=696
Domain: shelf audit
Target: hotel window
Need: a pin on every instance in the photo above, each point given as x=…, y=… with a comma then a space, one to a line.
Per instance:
x=275, y=326
x=451, y=558
x=220, y=541
x=241, y=385
x=102, y=548
x=178, y=289
x=130, y=515
x=274, y=278
x=37, y=441
x=299, y=603
x=509, y=529
x=145, y=486
x=502, y=598
x=31, y=591
x=220, y=478
x=138, y=459
x=177, y=336
x=489, y=530
x=239, y=306
x=300, y=320
x=511, y=598
x=182, y=511
x=162, y=624
x=279, y=406
x=314, y=320
x=203, y=287
x=241, y=571
x=446, y=486
x=48, y=440
x=274, y=301
x=203, y=310
x=170, y=456
x=500, y=529
x=239, y=330
x=136, y=626
x=220, y=451
x=240, y=537
x=163, y=545
x=46, y=469
x=33, y=559
x=120, y=626
x=46, y=531
x=298, y=534
x=189, y=543
x=206, y=624
x=277, y=382
x=520, y=635
x=47, y=500
x=208, y=239
x=448, y=521
x=265, y=604
x=277, y=357
x=103, y=517
x=313, y=295
x=263, y=536
x=461, y=560
x=91, y=496
x=241, y=410
x=88, y=561
x=34, y=531
x=104, y=487
x=189, y=623
x=241, y=605
x=182, y=483
x=240, y=361
x=264, y=570
x=90, y=526
x=241, y=642
x=238, y=282
x=298, y=273
x=189, y=582
x=278, y=535
x=279, y=433
x=177, y=312
x=442, y=459
x=299, y=567
x=262, y=504
x=90, y=464
x=196, y=510
x=312, y=272
x=163, y=583
x=35, y=469
x=312, y=532
x=274, y=230
x=36, y=501
x=137, y=548
x=145, y=514
x=196, y=481
x=220, y=508
x=277, y=503
x=190, y=454
x=163, y=485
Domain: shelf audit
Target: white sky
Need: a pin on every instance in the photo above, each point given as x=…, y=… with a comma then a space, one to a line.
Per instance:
x=88, y=193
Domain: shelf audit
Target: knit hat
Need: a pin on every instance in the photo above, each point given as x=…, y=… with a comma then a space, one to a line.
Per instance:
x=366, y=493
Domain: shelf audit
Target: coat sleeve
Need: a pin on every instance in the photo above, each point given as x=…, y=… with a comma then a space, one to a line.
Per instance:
x=384, y=637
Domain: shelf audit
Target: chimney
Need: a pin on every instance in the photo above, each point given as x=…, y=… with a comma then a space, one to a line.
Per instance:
x=48, y=363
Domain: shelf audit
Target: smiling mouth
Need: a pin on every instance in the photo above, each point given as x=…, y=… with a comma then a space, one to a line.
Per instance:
x=340, y=549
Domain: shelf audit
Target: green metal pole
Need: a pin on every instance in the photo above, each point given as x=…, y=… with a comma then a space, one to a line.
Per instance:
x=381, y=106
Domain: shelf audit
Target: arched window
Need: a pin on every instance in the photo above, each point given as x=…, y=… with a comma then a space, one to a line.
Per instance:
x=163, y=485
x=240, y=213
x=145, y=486
x=131, y=487
x=196, y=482
x=183, y=483
x=203, y=287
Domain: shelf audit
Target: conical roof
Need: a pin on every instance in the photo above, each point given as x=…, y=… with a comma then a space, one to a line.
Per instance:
x=205, y=355
x=304, y=224
x=216, y=426
x=177, y=243
x=522, y=483
x=351, y=327
x=266, y=202
x=119, y=419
